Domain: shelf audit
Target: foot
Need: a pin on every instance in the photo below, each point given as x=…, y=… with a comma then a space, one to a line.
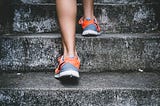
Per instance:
x=68, y=67
x=89, y=26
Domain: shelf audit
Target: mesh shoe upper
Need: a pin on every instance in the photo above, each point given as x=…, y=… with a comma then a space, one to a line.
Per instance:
x=89, y=24
x=67, y=63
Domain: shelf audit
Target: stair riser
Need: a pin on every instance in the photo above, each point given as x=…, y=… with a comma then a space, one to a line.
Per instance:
x=80, y=97
x=112, y=18
x=113, y=53
x=115, y=16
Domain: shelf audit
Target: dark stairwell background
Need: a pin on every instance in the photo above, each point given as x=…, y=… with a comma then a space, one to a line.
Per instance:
x=6, y=16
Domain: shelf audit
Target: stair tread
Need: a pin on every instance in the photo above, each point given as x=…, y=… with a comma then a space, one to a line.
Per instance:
x=88, y=81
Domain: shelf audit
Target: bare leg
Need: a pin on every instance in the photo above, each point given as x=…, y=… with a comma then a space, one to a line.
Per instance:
x=66, y=11
x=88, y=7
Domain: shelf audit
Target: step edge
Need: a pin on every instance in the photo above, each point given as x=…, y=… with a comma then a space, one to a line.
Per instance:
x=58, y=35
x=82, y=89
x=80, y=4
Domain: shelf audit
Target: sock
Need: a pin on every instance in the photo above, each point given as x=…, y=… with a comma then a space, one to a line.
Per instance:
x=88, y=19
x=71, y=56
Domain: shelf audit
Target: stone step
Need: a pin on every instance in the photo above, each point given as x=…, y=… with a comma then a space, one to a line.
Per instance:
x=123, y=16
x=95, y=1
x=93, y=89
x=108, y=52
x=131, y=18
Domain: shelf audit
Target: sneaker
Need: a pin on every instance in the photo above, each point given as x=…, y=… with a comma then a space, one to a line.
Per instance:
x=89, y=26
x=68, y=67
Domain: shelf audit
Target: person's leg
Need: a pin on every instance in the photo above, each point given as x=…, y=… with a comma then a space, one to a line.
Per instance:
x=66, y=11
x=88, y=21
x=88, y=8
x=68, y=63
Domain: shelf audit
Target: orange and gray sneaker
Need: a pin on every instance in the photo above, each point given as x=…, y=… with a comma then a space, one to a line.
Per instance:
x=89, y=26
x=68, y=67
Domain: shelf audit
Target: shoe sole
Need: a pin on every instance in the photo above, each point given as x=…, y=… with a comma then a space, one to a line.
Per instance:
x=68, y=73
x=90, y=33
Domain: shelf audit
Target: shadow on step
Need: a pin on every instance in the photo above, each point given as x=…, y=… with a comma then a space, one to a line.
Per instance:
x=69, y=81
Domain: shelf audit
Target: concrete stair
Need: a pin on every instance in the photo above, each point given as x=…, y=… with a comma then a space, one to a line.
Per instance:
x=108, y=52
x=121, y=16
x=119, y=68
x=93, y=89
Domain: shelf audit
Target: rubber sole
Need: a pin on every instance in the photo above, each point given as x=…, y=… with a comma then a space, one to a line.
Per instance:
x=90, y=33
x=68, y=73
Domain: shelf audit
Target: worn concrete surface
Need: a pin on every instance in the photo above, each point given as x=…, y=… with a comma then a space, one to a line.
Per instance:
x=93, y=89
x=112, y=18
x=108, y=52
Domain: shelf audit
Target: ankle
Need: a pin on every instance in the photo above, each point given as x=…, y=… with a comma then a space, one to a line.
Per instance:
x=70, y=55
x=89, y=17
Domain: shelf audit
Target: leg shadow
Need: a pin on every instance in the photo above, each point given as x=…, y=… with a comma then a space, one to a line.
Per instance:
x=69, y=81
